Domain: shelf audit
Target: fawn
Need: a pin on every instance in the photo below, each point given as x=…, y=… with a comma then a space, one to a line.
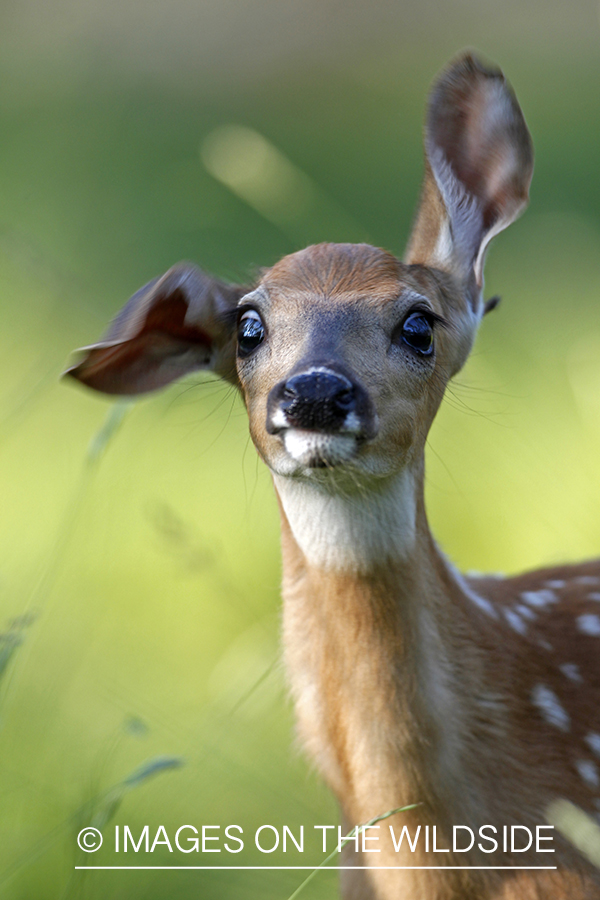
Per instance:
x=472, y=697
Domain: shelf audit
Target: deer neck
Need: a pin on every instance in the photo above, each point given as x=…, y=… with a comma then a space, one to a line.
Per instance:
x=377, y=644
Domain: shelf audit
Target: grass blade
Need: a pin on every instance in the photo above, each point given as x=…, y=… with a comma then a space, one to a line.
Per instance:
x=350, y=837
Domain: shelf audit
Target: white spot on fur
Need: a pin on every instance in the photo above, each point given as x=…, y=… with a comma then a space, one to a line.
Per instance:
x=525, y=612
x=540, y=599
x=545, y=645
x=588, y=772
x=587, y=579
x=550, y=707
x=556, y=584
x=589, y=624
x=279, y=418
x=352, y=423
x=595, y=595
x=515, y=622
x=571, y=671
x=481, y=602
x=593, y=741
x=339, y=530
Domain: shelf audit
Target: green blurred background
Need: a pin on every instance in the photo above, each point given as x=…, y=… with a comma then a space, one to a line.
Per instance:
x=139, y=562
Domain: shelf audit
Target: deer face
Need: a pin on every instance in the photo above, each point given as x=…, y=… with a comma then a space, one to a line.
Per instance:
x=343, y=355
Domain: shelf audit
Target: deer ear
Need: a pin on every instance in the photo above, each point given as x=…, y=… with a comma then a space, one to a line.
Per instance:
x=180, y=323
x=479, y=163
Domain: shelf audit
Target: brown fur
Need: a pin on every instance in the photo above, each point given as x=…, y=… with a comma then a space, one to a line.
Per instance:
x=429, y=219
x=481, y=754
x=337, y=269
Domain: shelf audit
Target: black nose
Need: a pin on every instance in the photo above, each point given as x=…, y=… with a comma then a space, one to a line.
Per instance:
x=318, y=399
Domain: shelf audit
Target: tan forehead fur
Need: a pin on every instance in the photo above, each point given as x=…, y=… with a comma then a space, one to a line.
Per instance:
x=334, y=269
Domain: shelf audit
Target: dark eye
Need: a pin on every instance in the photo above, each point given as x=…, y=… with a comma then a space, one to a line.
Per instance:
x=417, y=332
x=251, y=332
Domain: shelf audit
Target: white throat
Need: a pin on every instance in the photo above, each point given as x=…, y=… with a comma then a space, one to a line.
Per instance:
x=351, y=531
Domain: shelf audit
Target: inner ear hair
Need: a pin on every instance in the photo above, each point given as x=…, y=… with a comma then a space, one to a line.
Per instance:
x=179, y=323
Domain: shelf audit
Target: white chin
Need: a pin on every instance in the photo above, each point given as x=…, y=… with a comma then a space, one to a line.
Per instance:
x=314, y=449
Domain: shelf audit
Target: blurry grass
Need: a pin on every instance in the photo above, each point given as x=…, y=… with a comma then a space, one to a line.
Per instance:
x=55, y=557
x=96, y=813
x=11, y=640
x=577, y=827
x=352, y=835
x=263, y=177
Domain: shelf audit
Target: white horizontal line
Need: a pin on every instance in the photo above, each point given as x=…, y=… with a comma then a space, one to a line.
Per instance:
x=310, y=868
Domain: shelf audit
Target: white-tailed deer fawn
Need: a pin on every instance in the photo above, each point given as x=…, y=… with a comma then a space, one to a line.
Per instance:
x=473, y=697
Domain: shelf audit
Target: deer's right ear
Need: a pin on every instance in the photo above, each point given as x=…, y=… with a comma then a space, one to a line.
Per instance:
x=174, y=325
x=479, y=163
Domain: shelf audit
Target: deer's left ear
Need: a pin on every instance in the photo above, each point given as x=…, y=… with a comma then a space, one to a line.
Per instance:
x=174, y=325
x=479, y=163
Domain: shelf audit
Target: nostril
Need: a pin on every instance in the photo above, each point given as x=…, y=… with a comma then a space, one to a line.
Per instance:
x=345, y=399
x=288, y=392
